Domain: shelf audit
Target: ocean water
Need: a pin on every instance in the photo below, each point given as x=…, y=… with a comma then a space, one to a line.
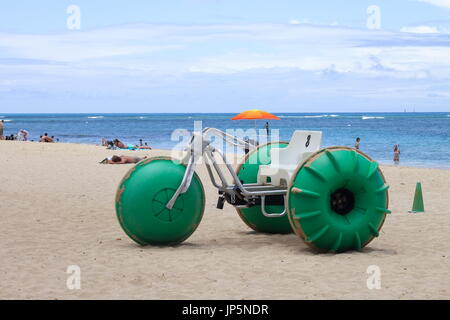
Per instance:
x=424, y=138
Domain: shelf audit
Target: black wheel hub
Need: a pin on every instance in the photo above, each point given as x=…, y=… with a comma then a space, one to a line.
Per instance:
x=342, y=201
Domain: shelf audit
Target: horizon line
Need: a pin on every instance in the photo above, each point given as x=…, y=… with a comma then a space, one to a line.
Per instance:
x=290, y=112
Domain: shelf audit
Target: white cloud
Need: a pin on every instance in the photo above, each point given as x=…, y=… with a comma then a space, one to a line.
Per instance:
x=439, y=3
x=294, y=21
x=169, y=49
x=79, y=45
x=420, y=29
x=140, y=58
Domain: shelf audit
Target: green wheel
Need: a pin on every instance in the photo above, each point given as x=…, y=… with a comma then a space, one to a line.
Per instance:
x=247, y=173
x=142, y=197
x=338, y=200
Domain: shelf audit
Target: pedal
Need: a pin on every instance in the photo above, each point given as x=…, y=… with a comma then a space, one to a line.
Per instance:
x=220, y=202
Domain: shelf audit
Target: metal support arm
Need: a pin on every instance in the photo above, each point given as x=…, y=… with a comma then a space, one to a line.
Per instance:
x=200, y=146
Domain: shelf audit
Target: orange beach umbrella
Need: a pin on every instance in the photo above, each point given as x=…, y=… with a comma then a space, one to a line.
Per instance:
x=255, y=114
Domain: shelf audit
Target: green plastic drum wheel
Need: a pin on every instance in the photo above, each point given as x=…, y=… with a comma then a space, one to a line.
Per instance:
x=142, y=197
x=338, y=200
x=253, y=216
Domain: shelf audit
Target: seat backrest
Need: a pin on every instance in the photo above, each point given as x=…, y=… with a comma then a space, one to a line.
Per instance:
x=306, y=141
x=301, y=142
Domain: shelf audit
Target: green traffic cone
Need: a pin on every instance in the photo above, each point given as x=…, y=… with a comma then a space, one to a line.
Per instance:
x=418, y=200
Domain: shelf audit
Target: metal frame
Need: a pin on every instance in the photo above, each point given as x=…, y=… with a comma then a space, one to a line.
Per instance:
x=248, y=194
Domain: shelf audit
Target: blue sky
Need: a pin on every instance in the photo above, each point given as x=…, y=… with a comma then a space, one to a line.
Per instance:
x=224, y=56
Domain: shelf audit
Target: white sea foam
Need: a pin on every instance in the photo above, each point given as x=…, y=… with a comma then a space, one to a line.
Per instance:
x=293, y=117
x=314, y=116
x=367, y=118
x=96, y=117
x=7, y=120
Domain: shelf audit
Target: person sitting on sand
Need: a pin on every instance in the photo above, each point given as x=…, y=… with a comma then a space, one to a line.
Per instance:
x=119, y=144
x=46, y=138
x=122, y=160
x=109, y=144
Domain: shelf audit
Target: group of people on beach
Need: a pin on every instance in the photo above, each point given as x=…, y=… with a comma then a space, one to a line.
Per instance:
x=23, y=135
x=117, y=144
x=46, y=138
x=122, y=159
x=396, y=150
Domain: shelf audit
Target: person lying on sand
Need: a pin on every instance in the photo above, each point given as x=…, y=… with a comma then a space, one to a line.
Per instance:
x=121, y=160
x=119, y=144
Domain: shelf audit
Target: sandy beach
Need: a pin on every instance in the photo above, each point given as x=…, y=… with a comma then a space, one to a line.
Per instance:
x=57, y=209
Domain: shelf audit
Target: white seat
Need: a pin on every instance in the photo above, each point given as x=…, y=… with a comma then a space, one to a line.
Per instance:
x=284, y=161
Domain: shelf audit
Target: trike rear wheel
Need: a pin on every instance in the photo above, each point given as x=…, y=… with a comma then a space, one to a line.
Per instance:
x=247, y=173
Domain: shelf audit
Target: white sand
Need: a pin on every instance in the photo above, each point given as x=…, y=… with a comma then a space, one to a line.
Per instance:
x=57, y=209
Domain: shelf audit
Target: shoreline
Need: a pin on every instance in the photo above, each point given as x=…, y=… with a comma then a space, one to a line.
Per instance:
x=378, y=132
x=231, y=155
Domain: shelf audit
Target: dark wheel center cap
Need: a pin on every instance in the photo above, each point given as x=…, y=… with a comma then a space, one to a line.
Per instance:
x=160, y=201
x=342, y=201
